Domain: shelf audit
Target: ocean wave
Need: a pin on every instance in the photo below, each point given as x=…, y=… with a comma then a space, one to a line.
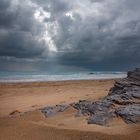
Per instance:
x=38, y=77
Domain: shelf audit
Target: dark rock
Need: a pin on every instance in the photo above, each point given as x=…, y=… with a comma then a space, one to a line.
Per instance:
x=50, y=111
x=136, y=95
x=82, y=107
x=126, y=92
x=99, y=111
x=79, y=113
x=122, y=100
x=101, y=118
x=91, y=73
x=129, y=113
x=134, y=74
x=61, y=108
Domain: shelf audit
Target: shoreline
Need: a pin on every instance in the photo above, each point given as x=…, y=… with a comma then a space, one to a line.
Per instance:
x=59, y=81
x=58, y=78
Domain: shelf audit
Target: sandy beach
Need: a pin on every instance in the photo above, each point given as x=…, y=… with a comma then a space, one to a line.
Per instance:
x=32, y=125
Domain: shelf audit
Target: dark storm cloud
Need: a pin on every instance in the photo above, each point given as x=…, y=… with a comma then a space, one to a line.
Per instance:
x=104, y=34
x=20, y=45
x=88, y=34
x=19, y=31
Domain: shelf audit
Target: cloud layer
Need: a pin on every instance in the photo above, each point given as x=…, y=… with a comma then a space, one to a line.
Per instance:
x=89, y=34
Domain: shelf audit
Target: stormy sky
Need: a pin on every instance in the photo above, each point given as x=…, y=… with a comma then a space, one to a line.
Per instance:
x=69, y=35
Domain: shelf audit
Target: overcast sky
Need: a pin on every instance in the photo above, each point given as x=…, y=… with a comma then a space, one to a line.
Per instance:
x=69, y=35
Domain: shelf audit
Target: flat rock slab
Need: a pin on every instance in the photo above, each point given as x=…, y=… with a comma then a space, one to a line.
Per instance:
x=53, y=110
x=129, y=113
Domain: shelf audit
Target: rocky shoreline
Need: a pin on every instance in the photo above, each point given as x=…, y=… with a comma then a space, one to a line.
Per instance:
x=123, y=100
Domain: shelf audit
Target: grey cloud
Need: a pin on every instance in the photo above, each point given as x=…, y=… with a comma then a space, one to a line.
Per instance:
x=90, y=34
x=20, y=45
x=108, y=38
x=19, y=31
x=4, y=4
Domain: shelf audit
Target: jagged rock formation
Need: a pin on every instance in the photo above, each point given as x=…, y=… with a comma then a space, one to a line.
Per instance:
x=99, y=111
x=129, y=113
x=123, y=100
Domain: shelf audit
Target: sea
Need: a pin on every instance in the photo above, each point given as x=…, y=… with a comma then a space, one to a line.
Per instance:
x=14, y=77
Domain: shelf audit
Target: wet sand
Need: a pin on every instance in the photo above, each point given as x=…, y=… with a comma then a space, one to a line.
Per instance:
x=29, y=97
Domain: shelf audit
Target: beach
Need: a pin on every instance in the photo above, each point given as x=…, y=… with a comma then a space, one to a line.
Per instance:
x=25, y=100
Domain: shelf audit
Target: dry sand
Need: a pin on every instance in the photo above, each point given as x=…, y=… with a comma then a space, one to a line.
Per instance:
x=29, y=97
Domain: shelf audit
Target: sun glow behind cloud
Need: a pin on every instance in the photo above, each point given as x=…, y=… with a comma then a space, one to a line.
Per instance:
x=40, y=15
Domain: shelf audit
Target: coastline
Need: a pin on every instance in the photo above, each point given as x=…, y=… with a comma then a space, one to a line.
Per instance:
x=32, y=125
x=56, y=81
x=43, y=77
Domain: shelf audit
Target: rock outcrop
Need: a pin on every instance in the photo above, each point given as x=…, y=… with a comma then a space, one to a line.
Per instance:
x=53, y=110
x=123, y=100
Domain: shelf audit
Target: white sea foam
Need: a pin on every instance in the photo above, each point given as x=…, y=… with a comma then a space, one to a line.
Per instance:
x=42, y=76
